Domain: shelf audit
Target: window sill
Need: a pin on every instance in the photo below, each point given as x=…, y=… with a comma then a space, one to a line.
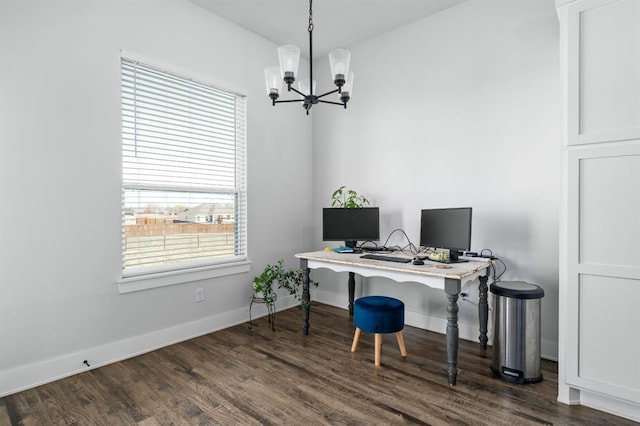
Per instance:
x=162, y=279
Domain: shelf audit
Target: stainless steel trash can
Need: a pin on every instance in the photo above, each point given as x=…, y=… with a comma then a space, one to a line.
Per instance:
x=516, y=331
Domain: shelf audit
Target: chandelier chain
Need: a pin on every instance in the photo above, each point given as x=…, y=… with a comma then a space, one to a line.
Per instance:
x=310, y=17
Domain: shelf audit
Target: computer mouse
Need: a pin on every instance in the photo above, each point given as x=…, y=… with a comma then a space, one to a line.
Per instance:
x=418, y=261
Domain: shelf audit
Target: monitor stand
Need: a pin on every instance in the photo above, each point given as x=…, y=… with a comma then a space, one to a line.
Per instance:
x=353, y=245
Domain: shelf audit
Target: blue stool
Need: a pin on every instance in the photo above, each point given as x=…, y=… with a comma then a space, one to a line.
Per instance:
x=379, y=315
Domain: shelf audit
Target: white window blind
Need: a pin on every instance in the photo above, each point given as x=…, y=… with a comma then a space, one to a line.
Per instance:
x=183, y=172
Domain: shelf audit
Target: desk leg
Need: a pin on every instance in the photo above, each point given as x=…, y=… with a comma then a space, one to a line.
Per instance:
x=352, y=291
x=452, y=289
x=483, y=310
x=306, y=298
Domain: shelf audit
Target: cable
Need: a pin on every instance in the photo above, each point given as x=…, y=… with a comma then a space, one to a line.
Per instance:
x=414, y=251
x=410, y=245
x=375, y=245
x=489, y=253
x=486, y=255
x=496, y=276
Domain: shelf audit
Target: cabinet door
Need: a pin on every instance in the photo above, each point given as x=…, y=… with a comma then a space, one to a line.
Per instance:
x=603, y=71
x=603, y=269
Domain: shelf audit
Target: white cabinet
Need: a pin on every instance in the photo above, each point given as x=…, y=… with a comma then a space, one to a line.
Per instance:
x=599, y=356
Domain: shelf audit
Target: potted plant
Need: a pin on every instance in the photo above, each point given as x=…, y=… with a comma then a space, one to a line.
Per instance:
x=263, y=284
x=277, y=276
x=347, y=198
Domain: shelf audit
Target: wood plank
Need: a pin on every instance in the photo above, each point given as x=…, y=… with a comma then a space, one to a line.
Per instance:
x=4, y=416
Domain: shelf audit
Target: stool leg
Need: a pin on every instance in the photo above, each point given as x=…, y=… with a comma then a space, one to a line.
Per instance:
x=403, y=350
x=356, y=339
x=378, y=344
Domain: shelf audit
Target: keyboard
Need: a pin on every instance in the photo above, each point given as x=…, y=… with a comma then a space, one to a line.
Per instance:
x=385, y=258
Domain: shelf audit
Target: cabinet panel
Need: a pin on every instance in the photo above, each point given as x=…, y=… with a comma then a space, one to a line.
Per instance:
x=609, y=345
x=604, y=71
x=610, y=73
x=602, y=256
x=609, y=205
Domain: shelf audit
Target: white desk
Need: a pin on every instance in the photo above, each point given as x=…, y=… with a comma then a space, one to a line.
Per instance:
x=450, y=280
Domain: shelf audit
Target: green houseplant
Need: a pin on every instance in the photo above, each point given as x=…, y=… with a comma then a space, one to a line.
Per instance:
x=292, y=282
x=347, y=198
x=263, y=284
x=277, y=276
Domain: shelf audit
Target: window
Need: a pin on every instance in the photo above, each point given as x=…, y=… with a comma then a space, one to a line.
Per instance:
x=183, y=173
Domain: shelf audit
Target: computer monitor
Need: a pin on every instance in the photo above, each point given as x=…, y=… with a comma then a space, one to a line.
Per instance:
x=447, y=229
x=351, y=225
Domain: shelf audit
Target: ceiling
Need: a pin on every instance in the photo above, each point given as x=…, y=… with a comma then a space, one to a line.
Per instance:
x=337, y=23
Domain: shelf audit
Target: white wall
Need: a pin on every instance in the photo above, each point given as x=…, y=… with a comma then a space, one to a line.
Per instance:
x=60, y=180
x=458, y=109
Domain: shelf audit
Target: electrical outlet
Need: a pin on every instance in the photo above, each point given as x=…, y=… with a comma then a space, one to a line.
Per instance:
x=199, y=294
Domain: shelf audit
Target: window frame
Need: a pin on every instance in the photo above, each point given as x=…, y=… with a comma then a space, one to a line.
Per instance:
x=142, y=278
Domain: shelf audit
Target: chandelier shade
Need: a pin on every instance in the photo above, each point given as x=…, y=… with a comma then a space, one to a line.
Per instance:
x=289, y=57
x=273, y=78
x=339, y=62
x=347, y=89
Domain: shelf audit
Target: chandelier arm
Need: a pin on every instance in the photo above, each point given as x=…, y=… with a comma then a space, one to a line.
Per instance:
x=298, y=92
x=330, y=102
x=328, y=93
x=291, y=100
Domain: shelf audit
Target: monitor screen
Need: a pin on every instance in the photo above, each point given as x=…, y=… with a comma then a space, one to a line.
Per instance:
x=350, y=225
x=446, y=228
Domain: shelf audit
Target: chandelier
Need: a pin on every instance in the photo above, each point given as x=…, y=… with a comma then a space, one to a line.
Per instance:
x=289, y=56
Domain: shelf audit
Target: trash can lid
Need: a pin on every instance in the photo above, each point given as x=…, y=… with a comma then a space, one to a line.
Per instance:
x=517, y=290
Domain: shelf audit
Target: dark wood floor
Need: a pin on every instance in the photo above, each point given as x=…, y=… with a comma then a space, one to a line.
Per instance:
x=251, y=377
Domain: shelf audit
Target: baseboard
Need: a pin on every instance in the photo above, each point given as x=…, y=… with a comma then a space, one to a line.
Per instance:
x=574, y=396
x=39, y=373
x=610, y=405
